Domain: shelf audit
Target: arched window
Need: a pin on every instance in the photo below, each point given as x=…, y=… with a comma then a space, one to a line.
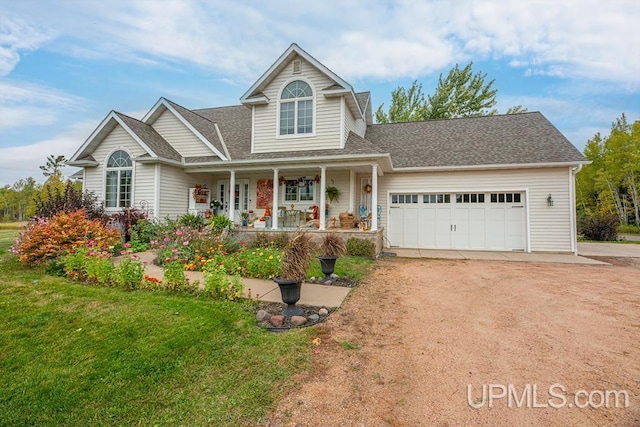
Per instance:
x=296, y=109
x=119, y=172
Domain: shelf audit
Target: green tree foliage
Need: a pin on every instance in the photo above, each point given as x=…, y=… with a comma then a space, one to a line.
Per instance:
x=53, y=165
x=611, y=183
x=462, y=93
x=17, y=200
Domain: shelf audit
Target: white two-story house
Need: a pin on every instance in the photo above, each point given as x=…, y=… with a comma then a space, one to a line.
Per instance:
x=503, y=182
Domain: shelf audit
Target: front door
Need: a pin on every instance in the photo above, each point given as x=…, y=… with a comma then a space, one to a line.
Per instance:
x=240, y=198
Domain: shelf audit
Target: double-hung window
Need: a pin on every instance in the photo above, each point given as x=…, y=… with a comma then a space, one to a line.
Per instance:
x=118, y=180
x=296, y=109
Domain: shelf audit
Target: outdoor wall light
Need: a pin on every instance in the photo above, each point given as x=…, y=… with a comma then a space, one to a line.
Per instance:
x=549, y=200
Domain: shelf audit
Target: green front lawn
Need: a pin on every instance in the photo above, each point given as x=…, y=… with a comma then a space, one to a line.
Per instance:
x=76, y=355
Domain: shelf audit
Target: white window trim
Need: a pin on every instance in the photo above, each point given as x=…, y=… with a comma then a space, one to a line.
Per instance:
x=284, y=201
x=313, y=115
x=104, y=179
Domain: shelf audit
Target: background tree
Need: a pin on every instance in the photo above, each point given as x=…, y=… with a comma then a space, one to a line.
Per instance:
x=611, y=183
x=53, y=165
x=462, y=93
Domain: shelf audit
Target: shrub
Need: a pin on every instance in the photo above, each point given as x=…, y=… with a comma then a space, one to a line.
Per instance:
x=219, y=286
x=361, y=247
x=68, y=200
x=600, y=226
x=261, y=263
x=219, y=223
x=46, y=239
x=174, y=278
x=628, y=229
x=129, y=272
x=191, y=220
x=127, y=218
x=270, y=240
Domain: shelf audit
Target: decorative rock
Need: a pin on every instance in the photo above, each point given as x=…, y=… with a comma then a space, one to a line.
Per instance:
x=314, y=318
x=262, y=315
x=297, y=320
x=323, y=311
x=277, y=320
x=334, y=276
x=328, y=282
x=313, y=279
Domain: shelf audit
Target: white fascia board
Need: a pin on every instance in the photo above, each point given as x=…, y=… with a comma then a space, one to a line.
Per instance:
x=294, y=48
x=296, y=163
x=257, y=100
x=160, y=103
x=111, y=116
x=184, y=121
x=93, y=135
x=489, y=167
x=333, y=93
x=224, y=145
x=82, y=163
x=158, y=160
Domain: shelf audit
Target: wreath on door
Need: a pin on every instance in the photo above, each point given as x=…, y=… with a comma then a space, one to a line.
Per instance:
x=367, y=188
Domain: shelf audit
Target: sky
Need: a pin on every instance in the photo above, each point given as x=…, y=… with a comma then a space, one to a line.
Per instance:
x=65, y=64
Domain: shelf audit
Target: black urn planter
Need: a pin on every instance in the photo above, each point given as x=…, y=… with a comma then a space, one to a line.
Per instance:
x=290, y=291
x=328, y=265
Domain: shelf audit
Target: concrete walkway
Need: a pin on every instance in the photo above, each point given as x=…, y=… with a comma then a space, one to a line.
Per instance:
x=264, y=290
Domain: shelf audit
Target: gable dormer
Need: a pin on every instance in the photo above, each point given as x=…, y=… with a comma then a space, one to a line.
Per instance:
x=298, y=104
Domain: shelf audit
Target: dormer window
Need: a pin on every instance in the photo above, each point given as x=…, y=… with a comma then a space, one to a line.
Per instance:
x=296, y=109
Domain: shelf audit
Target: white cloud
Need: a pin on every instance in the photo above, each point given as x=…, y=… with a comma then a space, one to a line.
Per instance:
x=25, y=116
x=17, y=35
x=584, y=38
x=24, y=161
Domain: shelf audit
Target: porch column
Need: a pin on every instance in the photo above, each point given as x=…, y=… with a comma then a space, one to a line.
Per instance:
x=352, y=190
x=323, y=196
x=274, y=208
x=374, y=197
x=232, y=195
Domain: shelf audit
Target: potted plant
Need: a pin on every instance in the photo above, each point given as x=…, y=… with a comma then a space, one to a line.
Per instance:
x=332, y=247
x=332, y=193
x=297, y=257
x=245, y=218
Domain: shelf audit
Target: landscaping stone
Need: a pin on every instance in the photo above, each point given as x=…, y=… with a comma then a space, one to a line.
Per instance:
x=277, y=320
x=314, y=318
x=323, y=311
x=298, y=320
x=262, y=315
x=334, y=276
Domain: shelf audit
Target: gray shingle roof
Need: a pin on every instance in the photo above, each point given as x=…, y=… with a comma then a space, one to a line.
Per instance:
x=151, y=137
x=235, y=127
x=492, y=140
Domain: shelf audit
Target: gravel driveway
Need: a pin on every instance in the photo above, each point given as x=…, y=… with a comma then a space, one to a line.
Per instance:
x=418, y=343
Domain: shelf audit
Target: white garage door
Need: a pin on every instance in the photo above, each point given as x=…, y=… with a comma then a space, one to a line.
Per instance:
x=488, y=221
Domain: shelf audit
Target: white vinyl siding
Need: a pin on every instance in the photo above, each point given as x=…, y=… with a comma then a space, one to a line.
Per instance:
x=95, y=176
x=174, y=190
x=326, y=132
x=179, y=136
x=357, y=126
x=550, y=227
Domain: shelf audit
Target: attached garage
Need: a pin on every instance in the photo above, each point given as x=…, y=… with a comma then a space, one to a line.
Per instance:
x=461, y=220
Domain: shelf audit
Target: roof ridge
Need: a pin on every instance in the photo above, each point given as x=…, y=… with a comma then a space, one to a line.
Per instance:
x=459, y=118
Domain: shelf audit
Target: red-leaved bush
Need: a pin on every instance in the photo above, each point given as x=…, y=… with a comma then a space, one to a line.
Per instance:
x=46, y=239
